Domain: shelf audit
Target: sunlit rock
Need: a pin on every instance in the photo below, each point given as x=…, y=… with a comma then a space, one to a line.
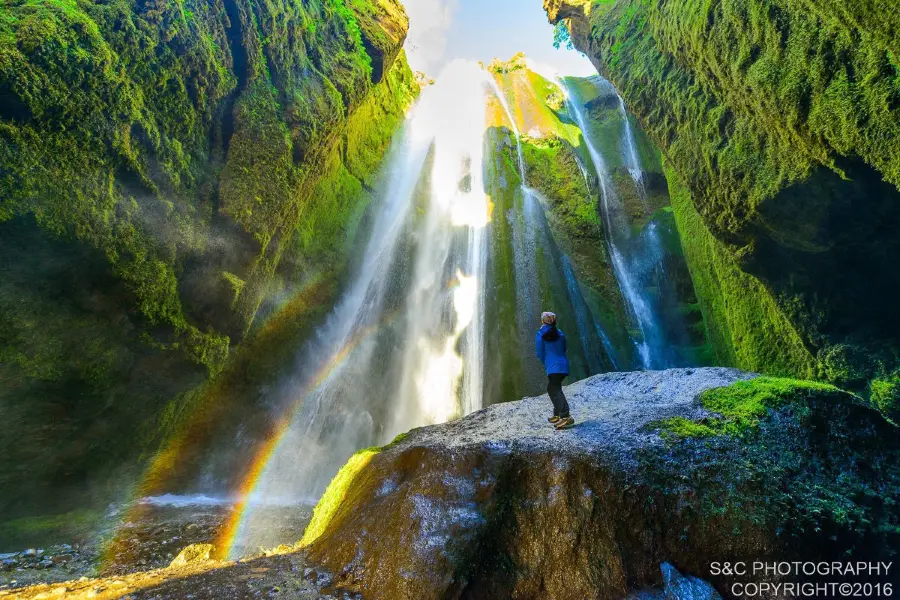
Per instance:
x=193, y=554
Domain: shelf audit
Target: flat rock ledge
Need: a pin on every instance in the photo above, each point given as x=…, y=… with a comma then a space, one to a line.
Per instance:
x=500, y=505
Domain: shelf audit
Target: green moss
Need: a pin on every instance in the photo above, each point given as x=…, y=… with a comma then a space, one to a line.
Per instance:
x=215, y=157
x=737, y=409
x=339, y=491
x=779, y=117
x=400, y=437
x=679, y=427
x=885, y=395
x=745, y=326
x=349, y=17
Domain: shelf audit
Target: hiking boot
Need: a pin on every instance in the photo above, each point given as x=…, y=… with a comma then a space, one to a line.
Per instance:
x=565, y=423
x=554, y=419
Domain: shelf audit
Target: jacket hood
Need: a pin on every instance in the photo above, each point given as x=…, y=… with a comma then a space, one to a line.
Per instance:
x=549, y=333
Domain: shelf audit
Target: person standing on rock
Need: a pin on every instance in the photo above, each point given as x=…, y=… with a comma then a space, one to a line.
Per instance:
x=550, y=345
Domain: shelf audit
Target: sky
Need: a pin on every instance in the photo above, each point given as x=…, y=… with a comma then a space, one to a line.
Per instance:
x=443, y=30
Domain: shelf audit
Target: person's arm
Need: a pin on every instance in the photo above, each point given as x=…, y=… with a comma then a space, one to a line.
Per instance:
x=539, y=346
x=563, y=338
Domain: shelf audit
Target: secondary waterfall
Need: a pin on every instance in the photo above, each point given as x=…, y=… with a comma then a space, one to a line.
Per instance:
x=637, y=256
x=534, y=242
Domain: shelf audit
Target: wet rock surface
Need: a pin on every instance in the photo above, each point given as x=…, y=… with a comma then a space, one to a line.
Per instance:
x=284, y=576
x=149, y=538
x=500, y=505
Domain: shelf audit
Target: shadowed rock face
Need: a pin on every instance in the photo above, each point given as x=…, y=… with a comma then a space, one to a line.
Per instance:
x=499, y=505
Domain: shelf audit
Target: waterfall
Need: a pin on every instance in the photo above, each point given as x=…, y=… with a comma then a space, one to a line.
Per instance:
x=630, y=151
x=533, y=238
x=633, y=258
x=404, y=346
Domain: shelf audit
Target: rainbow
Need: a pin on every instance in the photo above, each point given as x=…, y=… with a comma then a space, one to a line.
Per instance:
x=227, y=537
x=164, y=465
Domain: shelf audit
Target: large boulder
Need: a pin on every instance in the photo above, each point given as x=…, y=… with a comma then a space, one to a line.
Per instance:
x=687, y=466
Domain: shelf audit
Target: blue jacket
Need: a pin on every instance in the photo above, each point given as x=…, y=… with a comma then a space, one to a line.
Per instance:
x=550, y=345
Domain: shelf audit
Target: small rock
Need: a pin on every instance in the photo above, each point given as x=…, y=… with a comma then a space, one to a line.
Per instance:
x=193, y=554
x=30, y=552
x=61, y=559
x=679, y=587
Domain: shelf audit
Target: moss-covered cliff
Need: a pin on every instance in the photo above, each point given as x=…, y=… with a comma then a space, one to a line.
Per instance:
x=561, y=175
x=176, y=179
x=780, y=122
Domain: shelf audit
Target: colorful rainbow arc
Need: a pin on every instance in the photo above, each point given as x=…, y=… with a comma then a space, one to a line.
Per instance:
x=225, y=542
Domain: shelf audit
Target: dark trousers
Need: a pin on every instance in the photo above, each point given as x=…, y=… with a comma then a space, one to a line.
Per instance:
x=554, y=388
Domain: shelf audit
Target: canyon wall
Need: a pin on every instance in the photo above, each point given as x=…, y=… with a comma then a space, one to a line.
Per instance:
x=779, y=122
x=180, y=185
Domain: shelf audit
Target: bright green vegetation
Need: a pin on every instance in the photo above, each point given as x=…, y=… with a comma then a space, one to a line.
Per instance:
x=554, y=151
x=180, y=186
x=885, y=395
x=560, y=168
x=780, y=119
x=679, y=427
x=805, y=455
x=339, y=491
x=743, y=322
x=738, y=408
x=550, y=143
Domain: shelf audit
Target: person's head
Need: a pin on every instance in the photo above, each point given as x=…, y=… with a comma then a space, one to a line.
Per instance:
x=548, y=318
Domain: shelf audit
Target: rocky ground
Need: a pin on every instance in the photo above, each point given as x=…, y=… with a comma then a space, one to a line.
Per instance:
x=664, y=473
x=135, y=541
x=281, y=576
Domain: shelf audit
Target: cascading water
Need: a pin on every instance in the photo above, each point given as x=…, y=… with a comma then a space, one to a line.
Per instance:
x=635, y=258
x=404, y=347
x=630, y=151
x=407, y=344
x=533, y=242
